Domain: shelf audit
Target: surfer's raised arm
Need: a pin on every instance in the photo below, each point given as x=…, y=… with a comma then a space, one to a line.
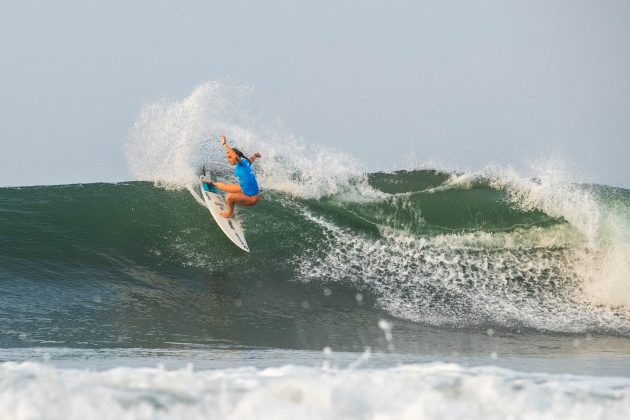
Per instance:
x=237, y=152
x=228, y=148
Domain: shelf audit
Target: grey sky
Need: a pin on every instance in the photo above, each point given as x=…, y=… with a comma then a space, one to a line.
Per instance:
x=463, y=83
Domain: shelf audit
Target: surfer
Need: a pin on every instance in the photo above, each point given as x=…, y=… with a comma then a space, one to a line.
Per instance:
x=245, y=193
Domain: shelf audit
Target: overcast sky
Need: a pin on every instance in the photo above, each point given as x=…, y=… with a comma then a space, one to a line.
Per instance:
x=463, y=83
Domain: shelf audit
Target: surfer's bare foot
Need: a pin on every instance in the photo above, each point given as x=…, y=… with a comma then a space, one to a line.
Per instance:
x=226, y=213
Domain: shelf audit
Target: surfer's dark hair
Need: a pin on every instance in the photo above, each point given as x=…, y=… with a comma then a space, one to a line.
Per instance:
x=239, y=153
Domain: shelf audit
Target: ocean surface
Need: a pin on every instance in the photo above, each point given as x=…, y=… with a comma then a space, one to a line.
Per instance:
x=409, y=294
x=426, y=293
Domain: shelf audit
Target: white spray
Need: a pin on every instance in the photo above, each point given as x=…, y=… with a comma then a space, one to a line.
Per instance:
x=171, y=140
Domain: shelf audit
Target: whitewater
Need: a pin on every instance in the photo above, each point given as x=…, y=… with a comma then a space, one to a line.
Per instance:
x=417, y=293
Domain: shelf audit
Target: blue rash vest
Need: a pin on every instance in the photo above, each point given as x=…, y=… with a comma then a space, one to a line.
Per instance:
x=246, y=179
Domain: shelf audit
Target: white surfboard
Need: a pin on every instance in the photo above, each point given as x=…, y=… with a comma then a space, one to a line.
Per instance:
x=216, y=203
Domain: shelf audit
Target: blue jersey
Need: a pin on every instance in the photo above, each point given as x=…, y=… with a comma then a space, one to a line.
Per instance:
x=246, y=179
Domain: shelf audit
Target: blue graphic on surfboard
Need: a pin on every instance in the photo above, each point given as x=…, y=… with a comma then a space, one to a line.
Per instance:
x=215, y=201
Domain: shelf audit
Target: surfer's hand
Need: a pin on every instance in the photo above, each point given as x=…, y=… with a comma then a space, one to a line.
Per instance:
x=258, y=155
x=222, y=139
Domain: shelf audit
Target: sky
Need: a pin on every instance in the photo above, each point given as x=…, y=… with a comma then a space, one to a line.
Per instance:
x=465, y=84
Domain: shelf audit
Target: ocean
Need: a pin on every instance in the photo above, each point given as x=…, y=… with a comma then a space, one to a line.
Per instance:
x=406, y=294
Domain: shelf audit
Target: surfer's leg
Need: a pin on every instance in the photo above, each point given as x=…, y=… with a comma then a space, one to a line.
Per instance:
x=240, y=199
x=230, y=188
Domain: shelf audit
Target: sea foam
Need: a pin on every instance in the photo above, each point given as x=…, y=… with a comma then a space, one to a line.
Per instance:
x=429, y=391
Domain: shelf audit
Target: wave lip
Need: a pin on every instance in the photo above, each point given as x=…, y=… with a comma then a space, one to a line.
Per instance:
x=31, y=390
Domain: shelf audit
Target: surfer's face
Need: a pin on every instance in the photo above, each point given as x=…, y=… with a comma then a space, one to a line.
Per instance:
x=232, y=157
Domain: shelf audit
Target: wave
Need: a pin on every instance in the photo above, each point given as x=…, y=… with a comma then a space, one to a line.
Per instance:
x=441, y=248
x=452, y=256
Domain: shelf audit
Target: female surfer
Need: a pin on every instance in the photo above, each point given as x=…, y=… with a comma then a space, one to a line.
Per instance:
x=245, y=193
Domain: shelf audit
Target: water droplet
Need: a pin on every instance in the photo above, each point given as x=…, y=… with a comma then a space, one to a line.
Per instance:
x=387, y=329
x=384, y=325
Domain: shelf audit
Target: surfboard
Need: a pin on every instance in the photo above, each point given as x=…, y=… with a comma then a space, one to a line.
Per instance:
x=215, y=202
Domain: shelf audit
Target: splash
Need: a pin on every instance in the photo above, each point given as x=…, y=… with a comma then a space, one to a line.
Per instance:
x=169, y=139
x=172, y=140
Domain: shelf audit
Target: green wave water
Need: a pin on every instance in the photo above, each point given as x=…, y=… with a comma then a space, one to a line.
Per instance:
x=133, y=264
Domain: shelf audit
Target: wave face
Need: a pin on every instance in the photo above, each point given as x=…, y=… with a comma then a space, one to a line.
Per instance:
x=135, y=264
x=337, y=252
